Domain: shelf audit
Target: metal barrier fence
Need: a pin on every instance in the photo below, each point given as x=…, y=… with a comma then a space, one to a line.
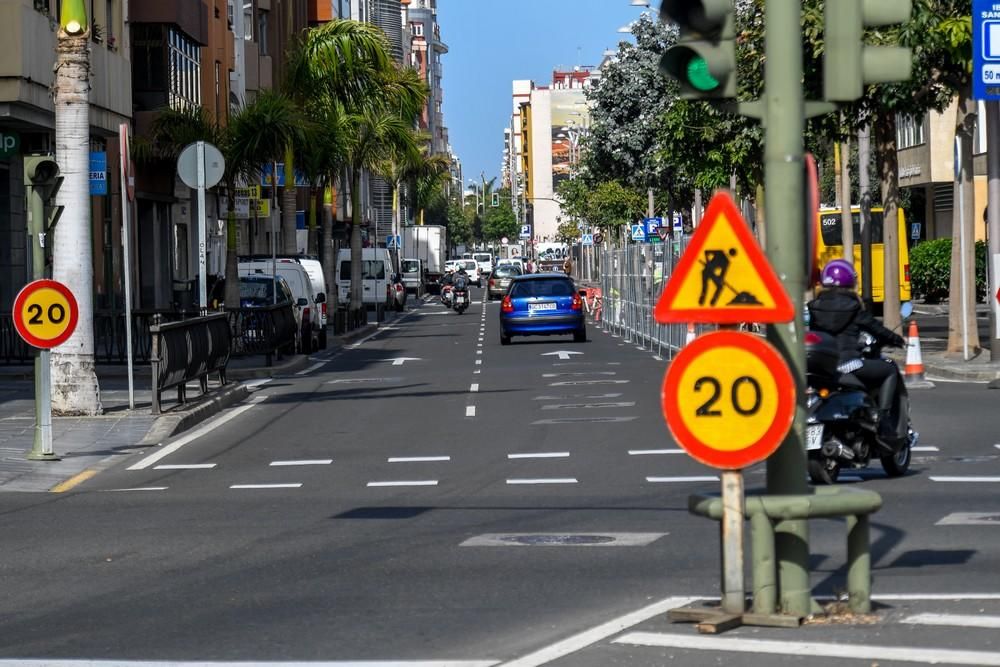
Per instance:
x=631, y=280
x=13, y=349
x=269, y=330
x=186, y=351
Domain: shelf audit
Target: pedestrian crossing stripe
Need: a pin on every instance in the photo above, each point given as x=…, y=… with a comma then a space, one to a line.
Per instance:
x=723, y=277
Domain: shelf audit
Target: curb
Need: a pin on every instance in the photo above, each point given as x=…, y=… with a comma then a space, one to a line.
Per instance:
x=358, y=333
x=170, y=425
x=971, y=374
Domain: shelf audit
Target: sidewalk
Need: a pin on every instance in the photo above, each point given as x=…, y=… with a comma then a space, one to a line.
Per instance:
x=932, y=323
x=87, y=445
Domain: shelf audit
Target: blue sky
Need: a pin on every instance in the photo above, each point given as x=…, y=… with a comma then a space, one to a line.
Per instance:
x=493, y=43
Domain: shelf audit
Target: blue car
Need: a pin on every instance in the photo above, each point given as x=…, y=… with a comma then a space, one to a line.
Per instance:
x=542, y=304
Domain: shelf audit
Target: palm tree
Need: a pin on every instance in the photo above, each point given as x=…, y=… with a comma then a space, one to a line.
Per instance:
x=74, y=381
x=429, y=181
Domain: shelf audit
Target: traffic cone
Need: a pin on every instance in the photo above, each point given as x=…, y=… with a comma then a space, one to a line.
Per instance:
x=913, y=373
x=691, y=334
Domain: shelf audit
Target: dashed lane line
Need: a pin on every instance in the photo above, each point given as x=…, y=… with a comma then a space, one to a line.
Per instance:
x=314, y=367
x=425, y=482
x=185, y=466
x=302, y=462
x=539, y=455
x=692, y=478
x=955, y=620
x=294, y=485
x=552, y=480
x=417, y=459
x=654, y=452
x=969, y=479
x=470, y=411
x=137, y=488
x=473, y=388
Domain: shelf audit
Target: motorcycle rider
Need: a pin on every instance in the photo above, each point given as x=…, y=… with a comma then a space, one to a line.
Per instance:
x=839, y=312
x=461, y=279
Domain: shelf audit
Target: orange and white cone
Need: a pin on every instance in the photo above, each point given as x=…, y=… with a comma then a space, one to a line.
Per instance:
x=913, y=373
x=691, y=334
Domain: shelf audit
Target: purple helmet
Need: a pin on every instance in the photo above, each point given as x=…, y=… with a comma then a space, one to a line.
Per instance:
x=838, y=273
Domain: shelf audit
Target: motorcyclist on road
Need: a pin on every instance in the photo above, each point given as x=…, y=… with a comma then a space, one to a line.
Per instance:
x=839, y=312
x=449, y=277
x=461, y=279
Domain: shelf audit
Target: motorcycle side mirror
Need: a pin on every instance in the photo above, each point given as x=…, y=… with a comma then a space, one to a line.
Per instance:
x=906, y=310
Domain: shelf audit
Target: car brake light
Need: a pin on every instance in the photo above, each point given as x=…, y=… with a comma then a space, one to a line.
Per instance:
x=577, y=302
x=507, y=305
x=305, y=314
x=813, y=338
x=324, y=309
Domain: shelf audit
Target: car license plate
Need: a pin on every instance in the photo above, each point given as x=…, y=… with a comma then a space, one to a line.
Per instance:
x=534, y=307
x=814, y=436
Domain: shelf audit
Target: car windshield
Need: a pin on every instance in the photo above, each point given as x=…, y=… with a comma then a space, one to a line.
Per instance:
x=470, y=266
x=410, y=266
x=531, y=288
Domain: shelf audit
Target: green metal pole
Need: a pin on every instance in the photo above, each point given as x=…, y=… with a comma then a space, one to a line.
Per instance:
x=41, y=446
x=784, y=209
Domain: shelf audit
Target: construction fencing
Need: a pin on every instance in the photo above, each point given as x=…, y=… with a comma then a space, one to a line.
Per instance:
x=627, y=286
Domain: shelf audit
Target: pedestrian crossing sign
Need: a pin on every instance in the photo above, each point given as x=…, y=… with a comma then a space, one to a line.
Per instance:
x=639, y=233
x=588, y=239
x=723, y=277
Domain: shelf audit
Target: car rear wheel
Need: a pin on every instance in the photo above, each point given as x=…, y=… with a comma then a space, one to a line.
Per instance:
x=580, y=336
x=504, y=340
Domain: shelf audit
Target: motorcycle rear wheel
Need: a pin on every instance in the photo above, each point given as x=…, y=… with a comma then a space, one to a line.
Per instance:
x=823, y=470
x=896, y=465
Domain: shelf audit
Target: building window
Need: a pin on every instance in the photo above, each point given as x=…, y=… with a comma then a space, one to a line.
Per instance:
x=149, y=68
x=184, y=63
x=909, y=131
x=218, y=92
x=248, y=21
x=417, y=29
x=262, y=32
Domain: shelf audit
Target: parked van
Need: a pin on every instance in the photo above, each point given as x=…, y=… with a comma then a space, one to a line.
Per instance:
x=302, y=286
x=376, y=277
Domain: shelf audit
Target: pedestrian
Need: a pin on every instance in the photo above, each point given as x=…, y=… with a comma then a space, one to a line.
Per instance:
x=568, y=266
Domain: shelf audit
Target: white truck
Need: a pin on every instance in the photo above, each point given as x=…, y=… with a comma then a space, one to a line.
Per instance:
x=427, y=243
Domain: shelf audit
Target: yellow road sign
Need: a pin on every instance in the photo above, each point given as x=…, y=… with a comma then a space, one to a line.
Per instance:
x=45, y=313
x=728, y=399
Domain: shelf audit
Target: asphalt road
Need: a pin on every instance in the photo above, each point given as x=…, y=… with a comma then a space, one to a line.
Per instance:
x=428, y=496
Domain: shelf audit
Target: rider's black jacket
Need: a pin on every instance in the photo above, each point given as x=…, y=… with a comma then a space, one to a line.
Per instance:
x=840, y=313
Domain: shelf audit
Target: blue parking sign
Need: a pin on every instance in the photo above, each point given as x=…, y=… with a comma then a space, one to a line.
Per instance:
x=985, y=50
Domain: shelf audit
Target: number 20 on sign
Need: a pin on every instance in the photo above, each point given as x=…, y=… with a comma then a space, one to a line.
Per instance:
x=729, y=399
x=45, y=314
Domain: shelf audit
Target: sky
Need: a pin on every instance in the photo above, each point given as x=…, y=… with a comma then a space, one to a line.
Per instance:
x=492, y=43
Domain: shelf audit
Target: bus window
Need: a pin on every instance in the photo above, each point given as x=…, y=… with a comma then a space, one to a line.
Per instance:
x=831, y=246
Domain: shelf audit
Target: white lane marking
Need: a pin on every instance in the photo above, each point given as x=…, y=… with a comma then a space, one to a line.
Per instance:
x=580, y=374
x=540, y=455
x=266, y=486
x=572, y=383
x=957, y=597
x=185, y=466
x=303, y=462
x=426, y=482
x=137, y=488
x=474, y=388
x=970, y=519
x=657, y=357
x=259, y=382
x=693, y=478
x=476, y=372
x=991, y=480
x=588, y=406
x=997, y=446
x=869, y=652
x=559, y=540
x=479, y=351
x=575, y=396
x=479, y=362
x=956, y=620
x=314, y=367
x=336, y=663
x=470, y=411
x=552, y=480
x=364, y=340
x=479, y=344
x=653, y=452
x=416, y=459
x=598, y=633
x=205, y=429
x=926, y=448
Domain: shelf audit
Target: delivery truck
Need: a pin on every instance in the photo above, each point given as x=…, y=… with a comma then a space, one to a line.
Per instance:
x=427, y=243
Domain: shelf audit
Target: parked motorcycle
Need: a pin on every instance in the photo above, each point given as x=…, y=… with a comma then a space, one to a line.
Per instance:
x=461, y=298
x=842, y=425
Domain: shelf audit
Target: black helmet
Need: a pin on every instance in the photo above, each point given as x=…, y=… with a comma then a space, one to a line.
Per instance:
x=461, y=270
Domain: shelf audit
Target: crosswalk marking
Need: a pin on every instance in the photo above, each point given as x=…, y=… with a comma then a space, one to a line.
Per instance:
x=956, y=620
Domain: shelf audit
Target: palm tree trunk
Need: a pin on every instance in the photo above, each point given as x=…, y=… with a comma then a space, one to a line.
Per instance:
x=74, y=383
x=329, y=259
x=962, y=329
x=357, y=304
x=886, y=137
x=312, y=245
x=288, y=206
x=232, y=295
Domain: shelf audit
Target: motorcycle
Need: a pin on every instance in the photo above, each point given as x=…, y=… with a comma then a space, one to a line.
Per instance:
x=842, y=424
x=446, y=295
x=461, y=300
x=398, y=289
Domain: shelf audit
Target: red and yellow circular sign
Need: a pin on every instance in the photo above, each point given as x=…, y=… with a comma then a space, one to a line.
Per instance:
x=45, y=313
x=729, y=399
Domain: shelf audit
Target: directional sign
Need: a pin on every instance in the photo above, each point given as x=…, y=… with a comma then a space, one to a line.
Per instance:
x=985, y=50
x=728, y=399
x=588, y=239
x=723, y=277
x=639, y=233
x=45, y=314
x=562, y=354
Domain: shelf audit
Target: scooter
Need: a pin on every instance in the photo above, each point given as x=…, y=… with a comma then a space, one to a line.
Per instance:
x=461, y=297
x=446, y=295
x=842, y=424
x=398, y=293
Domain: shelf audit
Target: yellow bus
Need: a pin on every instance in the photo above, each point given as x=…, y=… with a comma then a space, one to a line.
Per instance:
x=830, y=245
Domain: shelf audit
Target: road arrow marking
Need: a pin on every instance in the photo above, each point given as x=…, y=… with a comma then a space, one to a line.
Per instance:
x=399, y=361
x=562, y=354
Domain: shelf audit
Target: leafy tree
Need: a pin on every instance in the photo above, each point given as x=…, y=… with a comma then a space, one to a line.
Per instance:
x=500, y=221
x=459, y=224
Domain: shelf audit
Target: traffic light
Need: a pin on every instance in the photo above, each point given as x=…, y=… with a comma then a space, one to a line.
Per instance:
x=848, y=64
x=496, y=199
x=41, y=175
x=704, y=58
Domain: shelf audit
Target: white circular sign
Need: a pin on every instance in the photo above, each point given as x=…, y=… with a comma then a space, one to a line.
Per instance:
x=187, y=165
x=504, y=241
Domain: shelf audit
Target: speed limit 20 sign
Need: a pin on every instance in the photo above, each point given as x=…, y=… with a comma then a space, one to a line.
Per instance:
x=45, y=314
x=729, y=399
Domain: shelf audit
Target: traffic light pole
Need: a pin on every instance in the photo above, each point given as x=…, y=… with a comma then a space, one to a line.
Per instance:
x=41, y=446
x=784, y=109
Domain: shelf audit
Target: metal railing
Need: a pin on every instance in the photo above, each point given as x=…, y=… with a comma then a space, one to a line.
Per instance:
x=13, y=349
x=269, y=330
x=188, y=350
x=631, y=280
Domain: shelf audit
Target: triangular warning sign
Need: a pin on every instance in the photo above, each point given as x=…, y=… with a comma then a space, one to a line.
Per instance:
x=723, y=277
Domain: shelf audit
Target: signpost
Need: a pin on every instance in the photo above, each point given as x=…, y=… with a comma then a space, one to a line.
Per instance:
x=126, y=174
x=45, y=316
x=201, y=166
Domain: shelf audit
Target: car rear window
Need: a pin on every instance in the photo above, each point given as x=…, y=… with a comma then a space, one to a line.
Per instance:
x=507, y=271
x=470, y=265
x=554, y=287
x=370, y=270
x=410, y=266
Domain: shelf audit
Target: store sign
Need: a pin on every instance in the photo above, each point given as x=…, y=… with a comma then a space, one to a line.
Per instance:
x=98, y=173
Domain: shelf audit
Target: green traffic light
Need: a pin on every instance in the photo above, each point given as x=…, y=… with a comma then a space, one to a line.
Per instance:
x=698, y=75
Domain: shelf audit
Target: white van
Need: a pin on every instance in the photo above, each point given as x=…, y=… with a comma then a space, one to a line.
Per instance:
x=376, y=277
x=301, y=284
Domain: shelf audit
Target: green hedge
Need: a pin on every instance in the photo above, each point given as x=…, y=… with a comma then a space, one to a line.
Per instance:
x=930, y=269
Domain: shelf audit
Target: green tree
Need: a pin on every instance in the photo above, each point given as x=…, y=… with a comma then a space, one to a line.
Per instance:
x=459, y=224
x=500, y=221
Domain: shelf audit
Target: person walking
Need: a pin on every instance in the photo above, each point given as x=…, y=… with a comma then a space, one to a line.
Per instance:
x=568, y=266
